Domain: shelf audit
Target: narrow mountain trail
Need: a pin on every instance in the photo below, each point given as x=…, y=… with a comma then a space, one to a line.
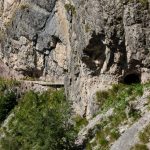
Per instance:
x=130, y=137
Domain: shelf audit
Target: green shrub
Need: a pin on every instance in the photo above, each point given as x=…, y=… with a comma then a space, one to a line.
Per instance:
x=7, y=97
x=24, y=6
x=41, y=123
x=139, y=147
x=114, y=134
x=102, y=96
x=144, y=136
x=70, y=8
x=88, y=146
x=101, y=138
x=7, y=103
x=80, y=122
x=116, y=97
x=119, y=98
x=8, y=83
x=138, y=89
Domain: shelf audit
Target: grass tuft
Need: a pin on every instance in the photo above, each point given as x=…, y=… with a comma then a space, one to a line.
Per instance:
x=140, y=147
x=144, y=136
x=70, y=8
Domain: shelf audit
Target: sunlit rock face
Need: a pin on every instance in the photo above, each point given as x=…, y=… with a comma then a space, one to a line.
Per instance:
x=92, y=44
x=35, y=38
x=109, y=43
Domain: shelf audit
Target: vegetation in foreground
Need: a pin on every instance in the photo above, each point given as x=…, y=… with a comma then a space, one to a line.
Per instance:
x=144, y=137
x=8, y=97
x=120, y=98
x=40, y=122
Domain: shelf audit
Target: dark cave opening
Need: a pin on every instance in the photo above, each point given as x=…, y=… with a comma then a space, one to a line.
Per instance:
x=94, y=53
x=32, y=73
x=132, y=79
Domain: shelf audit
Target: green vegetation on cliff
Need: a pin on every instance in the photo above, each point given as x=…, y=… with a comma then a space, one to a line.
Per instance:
x=144, y=137
x=40, y=122
x=8, y=98
x=121, y=99
x=70, y=8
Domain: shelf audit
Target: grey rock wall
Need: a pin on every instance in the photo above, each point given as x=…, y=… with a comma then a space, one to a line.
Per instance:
x=109, y=40
x=92, y=44
x=36, y=38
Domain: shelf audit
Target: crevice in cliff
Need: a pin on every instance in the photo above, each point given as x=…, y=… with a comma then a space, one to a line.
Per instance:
x=132, y=78
x=47, y=51
x=118, y=52
x=94, y=54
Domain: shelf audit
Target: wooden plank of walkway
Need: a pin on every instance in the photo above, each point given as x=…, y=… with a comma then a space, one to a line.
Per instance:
x=44, y=83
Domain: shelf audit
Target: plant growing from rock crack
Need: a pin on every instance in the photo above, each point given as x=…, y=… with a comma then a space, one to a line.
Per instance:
x=80, y=122
x=70, y=8
x=144, y=136
x=24, y=6
x=139, y=147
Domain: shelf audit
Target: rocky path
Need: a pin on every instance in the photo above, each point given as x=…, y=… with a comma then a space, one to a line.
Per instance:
x=130, y=137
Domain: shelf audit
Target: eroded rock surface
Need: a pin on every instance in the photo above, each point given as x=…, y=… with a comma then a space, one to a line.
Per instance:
x=92, y=44
x=35, y=38
x=108, y=43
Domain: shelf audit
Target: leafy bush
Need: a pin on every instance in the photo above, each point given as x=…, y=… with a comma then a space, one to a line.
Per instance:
x=102, y=96
x=24, y=6
x=8, y=84
x=144, y=136
x=118, y=97
x=140, y=147
x=7, y=103
x=80, y=122
x=7, y=97
x=70, y=8
x=41, y=122
x=100, y=136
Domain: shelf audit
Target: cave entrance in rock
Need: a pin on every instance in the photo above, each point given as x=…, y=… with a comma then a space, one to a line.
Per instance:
x=132, y=79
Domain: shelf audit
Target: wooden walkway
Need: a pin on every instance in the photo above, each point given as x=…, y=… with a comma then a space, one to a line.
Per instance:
x=44, y=83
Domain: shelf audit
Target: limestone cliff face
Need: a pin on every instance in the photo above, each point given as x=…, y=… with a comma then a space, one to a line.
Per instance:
x=36, y=38
x=110, y=43
x=91, y=43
